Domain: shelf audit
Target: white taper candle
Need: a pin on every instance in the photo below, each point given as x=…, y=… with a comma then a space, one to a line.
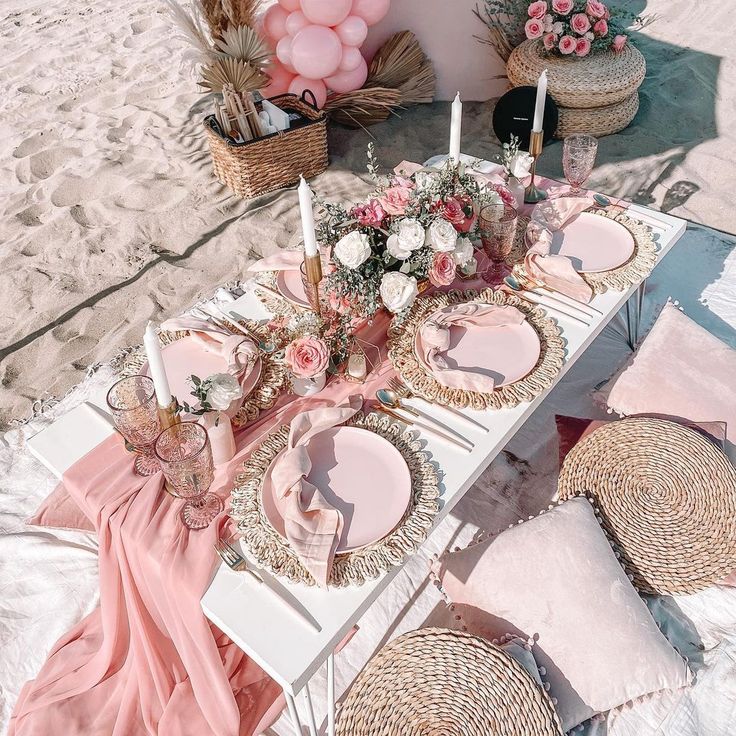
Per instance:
x=539, y=104
x=307, y=213
x=456, y=125
x=156, y=366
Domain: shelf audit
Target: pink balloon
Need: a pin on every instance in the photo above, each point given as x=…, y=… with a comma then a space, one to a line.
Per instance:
x=283, y=51
x=352, y=31
x=348, y=81
x=317, y=86
x=295, y=22
x=371, y=11
x=351, y=58
x=274, y=22
x=280, y=80
x=316, y=52
x=326, y=12
x=290, y=5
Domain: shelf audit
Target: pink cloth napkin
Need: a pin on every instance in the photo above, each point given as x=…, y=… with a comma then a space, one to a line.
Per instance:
x=312, y=525
x=284, y=260
x=434, y=340
x=555, y=270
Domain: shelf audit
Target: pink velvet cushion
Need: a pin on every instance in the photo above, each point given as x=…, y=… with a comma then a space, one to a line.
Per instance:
x=555, y=578
x=680, y=370
x=60, y=511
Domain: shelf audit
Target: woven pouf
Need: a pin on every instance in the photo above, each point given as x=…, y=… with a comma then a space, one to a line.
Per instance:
x=606, y=80
x=436, y=682
x=666, y=496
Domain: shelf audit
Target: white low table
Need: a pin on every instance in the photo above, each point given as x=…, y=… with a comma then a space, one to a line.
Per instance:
x=284, y=646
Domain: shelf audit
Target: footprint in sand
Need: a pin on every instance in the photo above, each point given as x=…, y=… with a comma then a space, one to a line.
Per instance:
x=43, y=164
x=34, y=144
x=74, y=190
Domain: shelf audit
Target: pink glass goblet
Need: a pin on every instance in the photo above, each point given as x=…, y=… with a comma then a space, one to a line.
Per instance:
x=185, y=455
x=497, y=225
x=132, y=402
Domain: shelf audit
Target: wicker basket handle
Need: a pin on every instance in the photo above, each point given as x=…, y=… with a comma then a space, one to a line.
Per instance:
x=313, y=103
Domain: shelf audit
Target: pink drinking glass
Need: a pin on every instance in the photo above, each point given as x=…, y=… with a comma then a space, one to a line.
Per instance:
x=132, y=402
x=497, y=225
x=185, y=455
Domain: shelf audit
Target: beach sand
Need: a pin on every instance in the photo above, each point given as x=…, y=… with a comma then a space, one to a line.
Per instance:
x=110, y=215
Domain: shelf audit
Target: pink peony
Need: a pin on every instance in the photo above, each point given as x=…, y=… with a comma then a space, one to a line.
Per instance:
x=601, y=27
x=562, y=6
x=619, y=42
x=596, y=9
x=370, y=214
x=538, y=9
x=549, y=41
x=567, y=45
x=582, y=48
x=442, y=272
x=395, y=199
x=307, y=357
x=580, y=23
x=533, y=28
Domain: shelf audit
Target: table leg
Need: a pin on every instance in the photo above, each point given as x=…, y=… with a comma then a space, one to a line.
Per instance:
x=293, y=713
x=634, y=307
x=331, y=695
x=311, y=723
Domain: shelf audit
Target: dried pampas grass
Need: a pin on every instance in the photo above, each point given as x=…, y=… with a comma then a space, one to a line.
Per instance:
x=227, y=71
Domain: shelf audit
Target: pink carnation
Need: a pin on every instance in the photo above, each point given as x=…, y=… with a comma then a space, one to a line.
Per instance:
x=395, y=199
x=442, y=272
x=533, y=28
x=567, y=45
x=370, y=214
x=601, y=27
x=582, y=48
x=307, y=357
x=549, y=41
x=538, y=9
x=596, y=9
x=562, y=6
x=580, y=23
x=619, y=42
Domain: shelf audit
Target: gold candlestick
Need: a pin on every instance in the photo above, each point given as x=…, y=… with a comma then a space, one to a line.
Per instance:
x=313, y=273
x=168, y=415
x=532, y=194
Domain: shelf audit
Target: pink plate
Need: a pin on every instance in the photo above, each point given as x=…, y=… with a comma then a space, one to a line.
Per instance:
x=594, y=243
x=506, y=353
x=359, y=473
x=289, y=283
x=186, y=357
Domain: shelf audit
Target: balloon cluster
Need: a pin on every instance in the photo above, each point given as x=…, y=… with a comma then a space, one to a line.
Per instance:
x=318, y=44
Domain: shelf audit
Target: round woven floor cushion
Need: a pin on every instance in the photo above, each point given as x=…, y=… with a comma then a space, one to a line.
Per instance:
x=597, y=121
x=598, y=80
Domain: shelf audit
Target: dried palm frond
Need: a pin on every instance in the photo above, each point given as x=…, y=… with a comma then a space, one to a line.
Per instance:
x=241, y=12
x=363, y=107
x=420, y=87
x=242, y=42
x=396, y=61
x=189, y=21
x=241, y=75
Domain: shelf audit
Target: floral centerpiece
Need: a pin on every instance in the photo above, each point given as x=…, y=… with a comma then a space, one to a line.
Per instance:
x=419, y=226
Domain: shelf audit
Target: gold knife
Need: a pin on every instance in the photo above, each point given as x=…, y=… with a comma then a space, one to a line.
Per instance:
x=425, y=428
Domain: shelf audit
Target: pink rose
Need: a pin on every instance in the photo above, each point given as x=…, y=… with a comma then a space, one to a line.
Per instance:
x=549, y=41
x=533, y=28
x=619, y=42
x=442, y=272
x=370, y=214
x=538, y=9
x=582, y=48
x=567, y=45
x=306, y=357
x=580, y=23
x=395, y=199
x=402, y=181
x=601, y=27
x=504, y=193
x=457, y=210
x=562, y=6
x=596, y=9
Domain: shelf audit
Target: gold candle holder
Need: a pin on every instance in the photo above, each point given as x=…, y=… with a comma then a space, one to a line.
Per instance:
x=313, y=273
x=168, y=415
x=533, y=194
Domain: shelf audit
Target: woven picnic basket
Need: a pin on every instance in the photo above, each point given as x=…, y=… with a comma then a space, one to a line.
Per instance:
x=274, y=161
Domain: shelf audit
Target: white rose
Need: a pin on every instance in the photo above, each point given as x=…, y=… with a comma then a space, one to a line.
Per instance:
x=398, y=290
x=442, y=236
x=424, y=179
x=520, y=164
x=407, y=239
x=353, y=249
x=557, y=28
x=463, y=252
x=223, y=389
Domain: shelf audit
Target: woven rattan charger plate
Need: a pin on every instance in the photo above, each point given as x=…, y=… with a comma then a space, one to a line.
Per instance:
x=401, y=337
x=350, y=568
x=447, y=683
x=666, y=497
x=269, y=386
